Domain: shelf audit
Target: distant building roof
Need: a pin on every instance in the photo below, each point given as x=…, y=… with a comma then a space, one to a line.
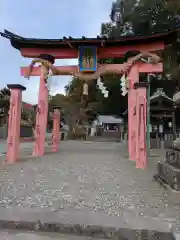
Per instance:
x=109, y=119
x=159, y=93
x=27, y=105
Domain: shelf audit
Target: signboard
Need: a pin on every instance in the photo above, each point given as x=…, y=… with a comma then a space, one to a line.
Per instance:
x=87, y=59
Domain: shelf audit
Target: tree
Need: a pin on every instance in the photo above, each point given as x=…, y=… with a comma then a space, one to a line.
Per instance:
x=106, y=29
x=75, y=101
x=115, y=104
x=158, y=16
x=60, y=101
x=4, y=103
x=148, y=17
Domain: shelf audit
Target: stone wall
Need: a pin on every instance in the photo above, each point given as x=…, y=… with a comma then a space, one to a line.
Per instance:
x=25, y=131
x=3, y=131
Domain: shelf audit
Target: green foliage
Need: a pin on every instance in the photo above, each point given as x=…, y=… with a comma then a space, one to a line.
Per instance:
x=59, y=100
x=147, y=18
x=106, y=29
x=77, y=132
x=153, y=16
x=158, y=16
x=4, y=103
x=25, y=116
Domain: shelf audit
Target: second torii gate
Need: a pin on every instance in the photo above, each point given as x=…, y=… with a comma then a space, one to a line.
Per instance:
x=137, y=100
x=47, y=51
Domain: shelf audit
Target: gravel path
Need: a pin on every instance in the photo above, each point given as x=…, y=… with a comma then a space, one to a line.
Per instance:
x=88, y=178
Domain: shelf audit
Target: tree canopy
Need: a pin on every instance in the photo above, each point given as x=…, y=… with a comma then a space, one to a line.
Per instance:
x=145, y=18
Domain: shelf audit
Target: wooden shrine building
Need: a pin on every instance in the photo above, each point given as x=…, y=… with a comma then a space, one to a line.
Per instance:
x=162, y=119
x=162, y=109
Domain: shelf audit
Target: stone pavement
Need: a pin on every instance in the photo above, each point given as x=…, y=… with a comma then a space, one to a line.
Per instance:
x=23, y=145
x=87, y=183
x=16, y=235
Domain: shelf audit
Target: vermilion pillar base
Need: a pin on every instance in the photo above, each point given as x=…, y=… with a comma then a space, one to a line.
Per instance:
x=14, y=122
x=56, y=130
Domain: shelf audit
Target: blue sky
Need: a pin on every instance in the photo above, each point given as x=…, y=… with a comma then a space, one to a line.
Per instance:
x=46, y=19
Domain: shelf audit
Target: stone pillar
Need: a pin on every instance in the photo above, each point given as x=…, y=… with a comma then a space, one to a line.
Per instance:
x=162, y=144
x=126, y=137
x=14, y=122
x=56, y=130
x=41, y=116
x=174, y=125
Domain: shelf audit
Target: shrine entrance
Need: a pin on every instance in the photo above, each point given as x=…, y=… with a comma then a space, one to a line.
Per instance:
x=88, y=52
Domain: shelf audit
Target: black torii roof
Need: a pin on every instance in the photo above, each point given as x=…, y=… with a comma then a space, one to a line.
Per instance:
x=22, y=42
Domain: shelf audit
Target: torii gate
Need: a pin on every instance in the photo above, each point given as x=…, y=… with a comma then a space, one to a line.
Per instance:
x=46, y=51
x=136, y=100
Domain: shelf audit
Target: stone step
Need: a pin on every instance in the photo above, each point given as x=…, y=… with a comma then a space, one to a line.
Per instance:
x=176, y=143
x=110, y=134
x=40, y=230
x=173, y=158
x=168, y=175
x=103, y=139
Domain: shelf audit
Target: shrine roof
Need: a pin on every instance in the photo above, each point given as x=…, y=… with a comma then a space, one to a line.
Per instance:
x=27, y=105
x=19, y=42
x=160, y=94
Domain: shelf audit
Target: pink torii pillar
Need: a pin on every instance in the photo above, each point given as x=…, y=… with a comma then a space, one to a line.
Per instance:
x=41, y=116
x=141, y=124
x=14, y=122
x=56, y=130
x=133, y=77
x=137, y=118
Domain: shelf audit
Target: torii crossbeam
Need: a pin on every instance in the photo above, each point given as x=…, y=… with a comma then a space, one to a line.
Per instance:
x=67, y=70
